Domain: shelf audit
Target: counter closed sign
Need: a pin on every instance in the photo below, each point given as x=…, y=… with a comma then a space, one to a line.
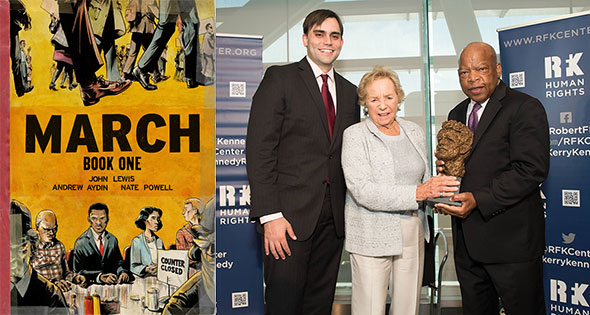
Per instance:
x=173, y=266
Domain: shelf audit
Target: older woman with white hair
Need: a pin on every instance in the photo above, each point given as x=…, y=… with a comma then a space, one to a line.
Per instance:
x=387, y=177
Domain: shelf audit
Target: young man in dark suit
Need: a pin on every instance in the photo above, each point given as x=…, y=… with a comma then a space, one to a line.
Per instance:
x=499, y=230
x=297, y=187
x=96, y=252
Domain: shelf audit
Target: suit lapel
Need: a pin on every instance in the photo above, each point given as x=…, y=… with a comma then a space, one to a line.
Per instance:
x=90, y=237
x=487, y=117
x=307, y=76
x=340, y=97
x=490, y=111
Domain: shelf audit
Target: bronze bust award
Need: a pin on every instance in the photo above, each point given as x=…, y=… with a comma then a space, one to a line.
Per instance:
x=454, y=145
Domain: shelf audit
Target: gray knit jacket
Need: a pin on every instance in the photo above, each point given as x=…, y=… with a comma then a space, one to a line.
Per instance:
x=374, y=198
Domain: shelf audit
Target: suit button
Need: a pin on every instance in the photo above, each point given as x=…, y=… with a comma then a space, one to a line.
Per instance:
x=330, y=156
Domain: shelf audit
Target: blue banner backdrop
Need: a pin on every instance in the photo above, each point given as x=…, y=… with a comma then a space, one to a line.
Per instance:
x=239, y=264
x=549, y=60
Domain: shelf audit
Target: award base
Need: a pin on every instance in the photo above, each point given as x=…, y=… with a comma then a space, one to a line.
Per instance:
x=446, y=200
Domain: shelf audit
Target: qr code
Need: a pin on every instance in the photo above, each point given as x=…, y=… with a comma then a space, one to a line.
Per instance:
x=239, y=299
x=570, y=198
x=517, y=80
x=237, y=89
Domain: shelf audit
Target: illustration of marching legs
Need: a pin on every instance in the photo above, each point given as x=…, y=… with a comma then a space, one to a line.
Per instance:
x=141, y=16
x=19, y=20
x=106, y=19
x=169, y=12
x=61, y=56
x=85, y=54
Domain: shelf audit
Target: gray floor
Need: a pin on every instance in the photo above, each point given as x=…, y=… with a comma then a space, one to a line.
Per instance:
x=344, y=309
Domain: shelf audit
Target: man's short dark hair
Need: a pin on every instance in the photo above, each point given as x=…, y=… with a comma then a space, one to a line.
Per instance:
x=318, y=17
x=144, y=214
x=99, y=206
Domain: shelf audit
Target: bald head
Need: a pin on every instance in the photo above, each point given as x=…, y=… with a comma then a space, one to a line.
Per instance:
x=479, y=73
x=480, y=48
x=47, y=216
x=46, y=224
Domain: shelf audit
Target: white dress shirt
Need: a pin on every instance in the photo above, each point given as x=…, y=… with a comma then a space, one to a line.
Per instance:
x=479, y=113
x=97, y=242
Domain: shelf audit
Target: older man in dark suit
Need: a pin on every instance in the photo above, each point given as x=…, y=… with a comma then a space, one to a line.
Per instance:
x=499, y=230
x=297, y=187
x=96, y=252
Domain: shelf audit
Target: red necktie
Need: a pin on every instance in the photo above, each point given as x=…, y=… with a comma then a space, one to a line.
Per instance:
x=328, y=104
x=101, y=245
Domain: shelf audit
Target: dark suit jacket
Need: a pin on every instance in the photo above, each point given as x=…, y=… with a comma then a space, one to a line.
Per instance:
x=87, y=259
x=42, y=297
x=508, y=161
x=288, y=148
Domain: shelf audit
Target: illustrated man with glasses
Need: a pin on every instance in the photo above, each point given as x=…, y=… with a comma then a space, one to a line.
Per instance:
x=50, y=257
x=30, y=292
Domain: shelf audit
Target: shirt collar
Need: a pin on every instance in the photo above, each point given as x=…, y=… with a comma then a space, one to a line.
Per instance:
x=95, y=235
x=47, y=245
x=317, y=71
x=483, y=104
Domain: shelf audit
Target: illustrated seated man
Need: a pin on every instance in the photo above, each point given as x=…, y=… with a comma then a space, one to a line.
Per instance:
x=187, y=233
x=197, y=294
x=30, y=292
x=50, y=258
x=96, y=252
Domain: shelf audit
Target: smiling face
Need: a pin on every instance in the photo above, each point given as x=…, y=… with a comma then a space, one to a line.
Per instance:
x=479, y=73
x=324, y=42
x=382, y=102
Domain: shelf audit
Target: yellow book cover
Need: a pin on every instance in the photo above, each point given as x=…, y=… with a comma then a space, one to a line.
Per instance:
x=112, y=157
